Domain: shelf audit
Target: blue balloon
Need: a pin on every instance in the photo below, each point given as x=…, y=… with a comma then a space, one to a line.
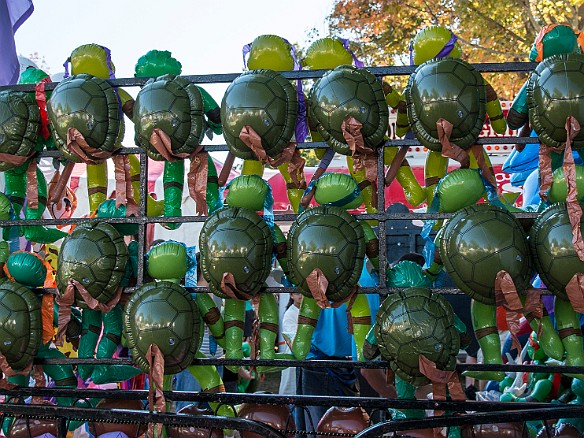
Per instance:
x=531, y=190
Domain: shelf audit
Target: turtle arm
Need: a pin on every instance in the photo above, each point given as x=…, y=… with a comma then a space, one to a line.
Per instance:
x=96, y=185
x=280, y=247
x=15, y=186
x=39, y=233
x=173, y=181
x=91, y=324
x=294, y=193
x=434, y=170
x=519, y=113
x=494, y=110
x=307, y=319
x=370, y=346
x=211, y=316
x=213, y=198
x=211, y=381
x=127, y=102
x=233, y=320
x=212, y=111
x=111, y=338
x=371, y=244
x=413, y=191
x=361, y=322
x=396, y=101
x=568, y=323
x=367, y=191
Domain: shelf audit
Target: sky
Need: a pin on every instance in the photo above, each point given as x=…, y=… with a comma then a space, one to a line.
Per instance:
x=206, y=37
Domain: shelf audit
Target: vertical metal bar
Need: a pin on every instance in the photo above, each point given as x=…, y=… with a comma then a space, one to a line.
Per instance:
x=381, y=216
x=142, y=227
x=61, y=427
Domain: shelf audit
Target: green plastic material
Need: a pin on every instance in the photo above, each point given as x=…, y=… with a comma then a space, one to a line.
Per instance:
x=407, y=274
x=95, y=255
x=450, y=89
x=332, y=240
x=333, y=187
x=558, y=40
x=554, y=256
x=173, y=105
x=26, y=268
x=415, y=322
x=458, y=189
x=247, y=191
x=430, y=41
x=167, y=261
x=90, y=105
x=270, y=51
x=264, y=100
x=157, y=63
x=477, y=243
x=19, y=125
x=555, y=91
x=559, y=190
x=166, y=315
x=346, y=92
x=108, y=209
x=326, y=54
x=238, y=241
x=20, y=324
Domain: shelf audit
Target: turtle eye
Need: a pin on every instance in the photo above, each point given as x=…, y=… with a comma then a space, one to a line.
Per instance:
x=174, y=122
x=170, y=341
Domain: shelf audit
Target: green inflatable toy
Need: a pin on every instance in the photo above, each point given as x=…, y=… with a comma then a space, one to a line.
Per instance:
x=262, y=103
x=415, y=322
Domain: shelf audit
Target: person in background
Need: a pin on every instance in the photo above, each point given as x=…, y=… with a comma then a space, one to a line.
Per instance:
x=289, y=327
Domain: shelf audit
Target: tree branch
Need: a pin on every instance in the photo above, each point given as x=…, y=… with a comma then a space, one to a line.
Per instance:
x=489, y=50
x=498, y=25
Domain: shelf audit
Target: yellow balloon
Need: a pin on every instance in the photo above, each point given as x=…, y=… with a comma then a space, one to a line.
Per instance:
x=91, y=59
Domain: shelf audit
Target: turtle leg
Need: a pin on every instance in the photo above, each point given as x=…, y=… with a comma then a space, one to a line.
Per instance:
x=435, y=168
x=484, y=321
x=234, y=318
x=294, y=193
x=213, y=198
x=268, y=317
x=39, y=233
x=361, y=322
x=415, y=194
x=568, y=323
x=212, y=317
x=91, y=323
x=367, y=191
x=15, y=187
x=153, y=207
x=252, y=167
x=111, y=338
x=173, y=181
x=307, y=319
x=96, y=185
x=62, y=375
x=550, y=341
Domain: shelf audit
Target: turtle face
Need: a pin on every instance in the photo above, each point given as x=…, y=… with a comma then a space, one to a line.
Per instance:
x=431, y=41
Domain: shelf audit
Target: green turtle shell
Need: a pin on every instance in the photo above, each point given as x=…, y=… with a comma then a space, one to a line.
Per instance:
x=451, y=89
x=477, y=243
x=165, y=314
x=414, y=322
x=92, y=106
x=264, y=100
x=349, y=91
x=20, y=123
x=554, y=256
x=555, y=90
x=95, y=255
x=239, y=241
x=20, y=324
x=173, y=105
x=332, y=240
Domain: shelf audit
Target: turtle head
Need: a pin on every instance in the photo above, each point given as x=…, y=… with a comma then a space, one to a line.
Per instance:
x=92, y=59
x=26, y=268
x=157, y=63
x=326, y=54
x=434, y=42
x=270, y=52
x=554, y=40
x=167, y=261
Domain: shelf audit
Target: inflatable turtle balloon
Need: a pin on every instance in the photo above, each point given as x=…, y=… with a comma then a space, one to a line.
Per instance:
x=414, y=322
x=89, y=106
x=20, y=324
x=173, y=105
x=236, y=241
x=477, y=243
x=450, y=89
x=19, y=127
x=559, y=267
x=332, y=241
x=555, y=91
x=348, y=92
x=265, y=101
x=163, y=314
x=95, y=255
